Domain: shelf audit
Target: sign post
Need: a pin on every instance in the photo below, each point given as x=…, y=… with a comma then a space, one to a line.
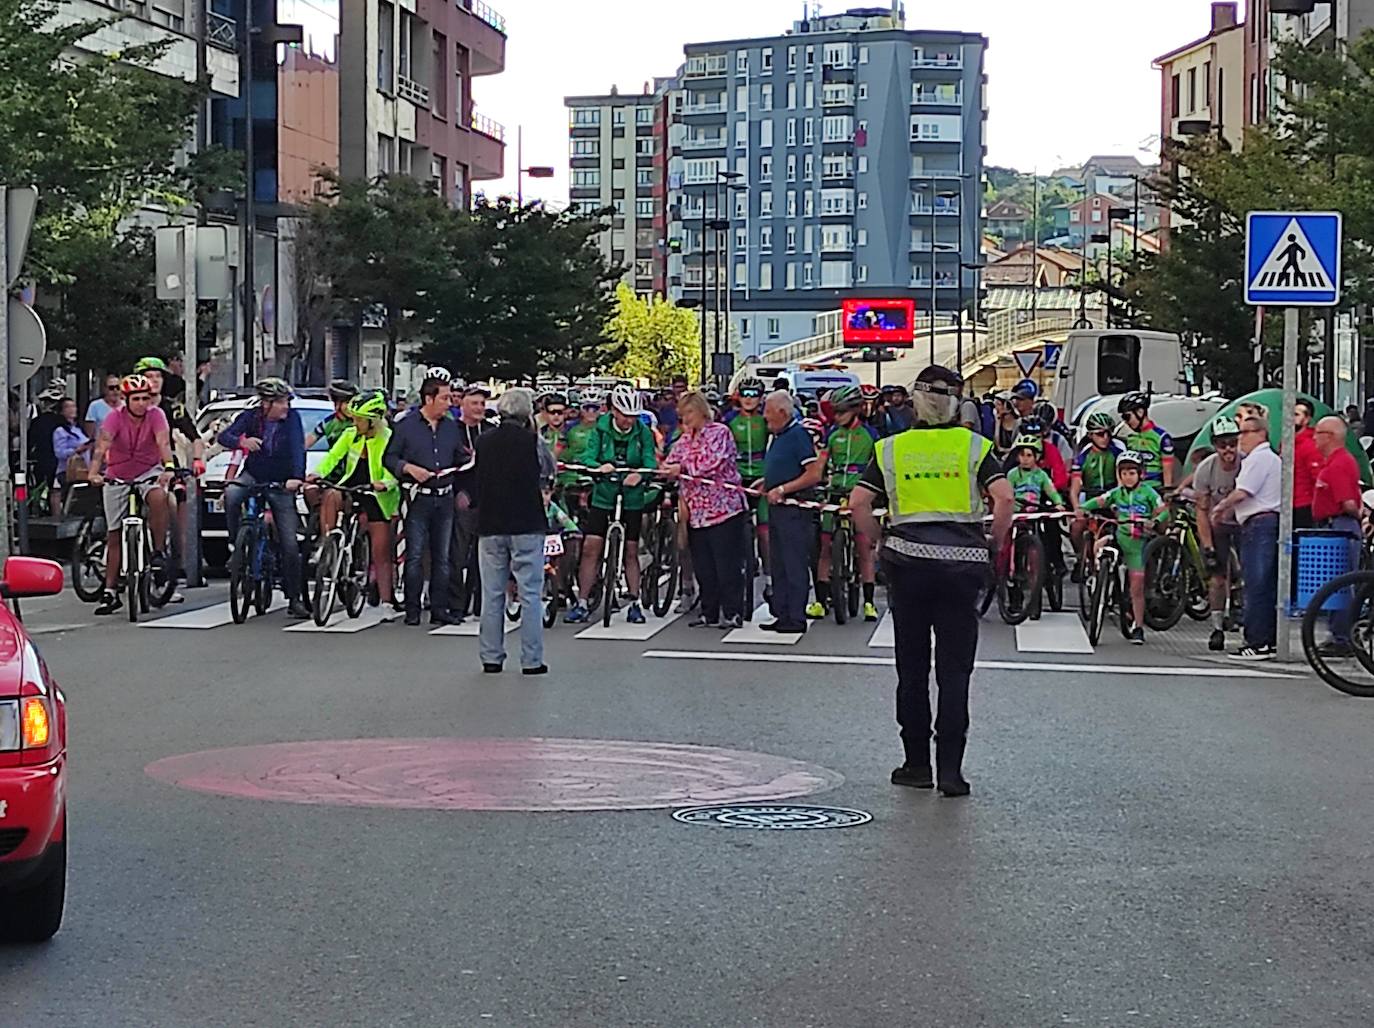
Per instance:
x=1292, y=260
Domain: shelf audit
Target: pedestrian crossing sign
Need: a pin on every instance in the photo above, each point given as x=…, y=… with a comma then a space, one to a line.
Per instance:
x=1293, y=259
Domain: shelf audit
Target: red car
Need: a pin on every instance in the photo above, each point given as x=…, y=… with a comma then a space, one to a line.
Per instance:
x=33, y=767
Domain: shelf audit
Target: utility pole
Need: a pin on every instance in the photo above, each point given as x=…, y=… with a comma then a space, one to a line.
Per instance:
x=6, y=491
x=1035, y=245
x=242, y=374
x=1290, y=397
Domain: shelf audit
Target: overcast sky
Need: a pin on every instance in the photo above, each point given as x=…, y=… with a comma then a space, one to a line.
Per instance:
x=1066, y=78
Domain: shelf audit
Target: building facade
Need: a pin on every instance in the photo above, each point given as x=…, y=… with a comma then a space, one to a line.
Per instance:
x=846, y=157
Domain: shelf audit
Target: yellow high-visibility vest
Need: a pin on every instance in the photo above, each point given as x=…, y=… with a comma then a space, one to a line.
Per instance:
x=931, y=474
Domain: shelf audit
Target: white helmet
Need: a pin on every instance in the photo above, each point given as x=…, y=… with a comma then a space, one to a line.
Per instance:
x=625, y=398
x=442, y=374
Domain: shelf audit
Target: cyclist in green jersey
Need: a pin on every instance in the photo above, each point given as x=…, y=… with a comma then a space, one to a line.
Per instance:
x=850, y=446
x=553, y=431
x=751, y=440
x=330, y=429
x=1149, y=440
x=1093, y=473
x=1135, y=504
x=1030, y=483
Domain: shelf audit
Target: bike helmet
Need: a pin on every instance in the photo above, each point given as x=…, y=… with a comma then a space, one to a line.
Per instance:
x=273, y=389
x=340, y=390
x=130, y=384
x=1224, y=426
x=593, y=398
x=555, y=400
x=625, y=399
x=149, y=364
x=1047, y=412
x=713, y=396
x=1032, y=426
x=1131, y=457
x=54, y=392
x=846, y=398
x=367, y=405
x=1101, y=422
x=816, y=427
x=1133, y=401
x=870, y=392
x=753, y=386
x=1028, y=442
x=442, y=374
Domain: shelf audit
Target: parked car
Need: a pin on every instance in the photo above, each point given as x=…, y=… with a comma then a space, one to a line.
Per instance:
x=214, y=418
x=33, y=767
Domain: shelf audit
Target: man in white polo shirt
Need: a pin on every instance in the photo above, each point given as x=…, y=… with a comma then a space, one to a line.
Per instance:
x=1255, y=501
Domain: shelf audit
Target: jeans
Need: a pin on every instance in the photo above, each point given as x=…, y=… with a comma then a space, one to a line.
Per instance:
x=937, y=597
x=718, y=560
x=790, y=534
x=429, y=527
x=283, y=507
x=1259, y=564
x=1343, y=617
x=503, y=557
x=462, y=587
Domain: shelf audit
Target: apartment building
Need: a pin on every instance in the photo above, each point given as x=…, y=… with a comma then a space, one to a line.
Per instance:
x=846, y=156
x=406, y=98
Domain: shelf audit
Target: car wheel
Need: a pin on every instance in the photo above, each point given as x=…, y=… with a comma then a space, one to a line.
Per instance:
x=33, y=913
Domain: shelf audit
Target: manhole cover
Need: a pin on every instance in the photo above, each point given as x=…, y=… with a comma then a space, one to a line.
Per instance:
x=772, y=817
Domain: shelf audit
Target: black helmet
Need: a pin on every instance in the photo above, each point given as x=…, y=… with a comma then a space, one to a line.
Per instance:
x=555, y=400
x=938, y=379
x=1047, y=412
x=1031, y=426
x=1133, y=401
x=340, y=390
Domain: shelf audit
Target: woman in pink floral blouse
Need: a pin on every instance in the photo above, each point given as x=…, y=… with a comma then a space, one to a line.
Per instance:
x=705, y=460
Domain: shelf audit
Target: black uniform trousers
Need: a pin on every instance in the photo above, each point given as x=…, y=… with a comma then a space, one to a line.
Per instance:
x=790, y=534
x=940, y=598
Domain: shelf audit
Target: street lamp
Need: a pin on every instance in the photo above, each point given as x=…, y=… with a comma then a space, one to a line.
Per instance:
x=537, y=171
x=932, y=182
x=722, y=228
x=1113, y=214
x=975, y=267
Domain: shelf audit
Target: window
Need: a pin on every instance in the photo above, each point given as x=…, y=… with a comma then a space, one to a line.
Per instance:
x=741, y=98
x=703, y=170
x=1175, y=95
x=765, y=133
x=765, y=276
x=741, y=62
x=1097, y=217
x=791, y=58
x=808, y=131
x=766, y=239
x=584, y=116
x=810, y=57
x=936, y=128
x=765, y=169
x=384, y=37
x=806, y=276
x=1207, y=83
x=791, y=96
x=810, y=172
x=644, y=176
x=863, y=90
x=791, y=167
x=774, y=327
x=644, y=269
x=836, y=166
x=741, y=239
x=838, y=55
x=863, y=201
x=863, y=237
x=766, y=204
x=644, y=208
x=767, y=58
x=861, y=273
x=619, y=207
x=807, y=240
x=644, y=115
x=1074, y=216
x=384, y=145
x=863, y=55
x=586, y=148
x=766, y=97
x=618, y=116
x=808, y=203
x=791, y=131
x=644, y=146
x=810, y=94
x=791, y=203
x=744, y=328
x=791, y=282
x=586, y=178
x=439, y=61
x=863, y=164
x=837, y=201
x=837, y=128
x=1192, y=90
x=791, y=239
x=836, y=274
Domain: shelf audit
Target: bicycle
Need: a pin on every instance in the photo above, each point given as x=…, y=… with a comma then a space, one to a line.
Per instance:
x=255, y=567
x=88, y=552
x=552, y=595
x=1107, y=579
x=659, y=583
x=845, y=595
x=1018, y=590
x=141, y=584
x=1335, y=669
x=1176, y=577
x=343, y=560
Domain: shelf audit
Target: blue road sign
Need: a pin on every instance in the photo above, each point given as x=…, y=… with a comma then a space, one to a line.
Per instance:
x=1053, y=351
x=1293, y=258
x=1025, y=384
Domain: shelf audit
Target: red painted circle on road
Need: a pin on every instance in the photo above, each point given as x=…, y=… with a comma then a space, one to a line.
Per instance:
x=494, y=774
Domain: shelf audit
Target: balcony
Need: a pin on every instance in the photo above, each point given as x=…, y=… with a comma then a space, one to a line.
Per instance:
x=936, y=98
x=942, y=281
x=221, y=32
x=711, y=108
x=409, y=89
x=491, y=129
x=837, y=246
x=484, y=148
x=918, y=206
x=716, y=142
x=484, y=35
x=706, y=66
x=921, y=60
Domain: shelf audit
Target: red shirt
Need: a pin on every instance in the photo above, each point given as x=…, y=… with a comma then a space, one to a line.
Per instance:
x=1337, y=482
x=1308, y=461
x=1053, y=463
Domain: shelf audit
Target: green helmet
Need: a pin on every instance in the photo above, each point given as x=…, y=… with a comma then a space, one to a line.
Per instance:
x=846, y=398
x=367, y=405
x=149, y=364
x=1101, y=421
x=1027, y=442
x=1225, y=426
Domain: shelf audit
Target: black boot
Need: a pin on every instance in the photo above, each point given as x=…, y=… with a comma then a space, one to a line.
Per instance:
x=949, y=764
x=915, y=776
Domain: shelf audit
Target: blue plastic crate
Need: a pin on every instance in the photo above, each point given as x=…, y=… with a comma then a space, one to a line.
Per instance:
x=1322, y=556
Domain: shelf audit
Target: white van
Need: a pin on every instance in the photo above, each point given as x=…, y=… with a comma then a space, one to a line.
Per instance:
x=805, y=380
x=1109, y=362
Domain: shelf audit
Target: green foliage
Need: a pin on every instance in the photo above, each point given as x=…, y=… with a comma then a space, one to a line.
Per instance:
x=661, y=340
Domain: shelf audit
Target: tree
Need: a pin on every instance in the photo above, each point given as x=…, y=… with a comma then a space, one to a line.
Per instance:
x=661, y=340
x=385, y=245
x=316, y=305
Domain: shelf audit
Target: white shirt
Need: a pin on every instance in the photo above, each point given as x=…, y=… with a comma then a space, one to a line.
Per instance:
x=1261, y=476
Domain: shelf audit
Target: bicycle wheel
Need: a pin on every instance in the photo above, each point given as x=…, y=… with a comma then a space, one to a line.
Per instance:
x=550, y=598
x=265, y=569
x=360, y=561
x=751, y=567
x=88, y=558
x=610, y=573
x=398, y=573
x=1019, y=593
x=327, y=557
x=1199, y=602
x=666, y=566
x=1349, y=670
x=1125, y=615
x=133, y=580
x=1165, y=583
x=1087, y=573
x=241, y=584
x=841, y=571
x=1103, y=578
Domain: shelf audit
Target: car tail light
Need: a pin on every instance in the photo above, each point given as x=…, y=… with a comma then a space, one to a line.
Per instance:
x=35, y=725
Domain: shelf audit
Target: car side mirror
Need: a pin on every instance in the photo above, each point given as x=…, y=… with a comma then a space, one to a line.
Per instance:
x=30, y=576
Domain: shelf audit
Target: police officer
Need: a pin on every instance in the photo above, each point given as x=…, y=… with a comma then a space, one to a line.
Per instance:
x=932, y=478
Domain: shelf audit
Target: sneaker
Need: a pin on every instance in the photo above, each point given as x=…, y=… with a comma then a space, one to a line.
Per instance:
x=297, y=611
x=513, y=610
x=1216, y=642
x=703, y=622
x=913, y=777
x=1253, y=653
x=815, y=610
x=685, y=602
x=1335, y=649
x=576, y=615
x=634, y=615
x=870, y=612
x=109, y=603
x=1137, y=636
x=731, y=623
x=954, y=787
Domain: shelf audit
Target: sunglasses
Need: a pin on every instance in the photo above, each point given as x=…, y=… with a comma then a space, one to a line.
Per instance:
x=1100, y=433
x=557, y=411
x=749, y=394
x=591, y=406
x=111, y=387
x=1226, y=444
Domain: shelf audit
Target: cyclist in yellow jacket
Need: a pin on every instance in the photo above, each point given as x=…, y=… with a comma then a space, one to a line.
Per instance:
x=344, y=465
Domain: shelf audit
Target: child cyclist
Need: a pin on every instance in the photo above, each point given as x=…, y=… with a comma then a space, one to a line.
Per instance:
x=1030, y=483
x=1135, y=504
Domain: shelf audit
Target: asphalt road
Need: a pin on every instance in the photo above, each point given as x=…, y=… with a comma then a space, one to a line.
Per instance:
x=1140, y=848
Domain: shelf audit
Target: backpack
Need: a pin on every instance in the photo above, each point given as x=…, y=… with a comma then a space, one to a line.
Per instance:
x=988, y=419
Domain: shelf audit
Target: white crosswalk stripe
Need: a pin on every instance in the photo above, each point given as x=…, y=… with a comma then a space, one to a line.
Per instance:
x=1053, y=633
x=751, y=634
x=203, y=618
x=472, y=627
x=884, y=636
x=340, y=623
x=622, y=630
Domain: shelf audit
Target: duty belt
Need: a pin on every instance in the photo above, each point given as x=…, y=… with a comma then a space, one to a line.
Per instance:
x=930, y=551
x=421, y=490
